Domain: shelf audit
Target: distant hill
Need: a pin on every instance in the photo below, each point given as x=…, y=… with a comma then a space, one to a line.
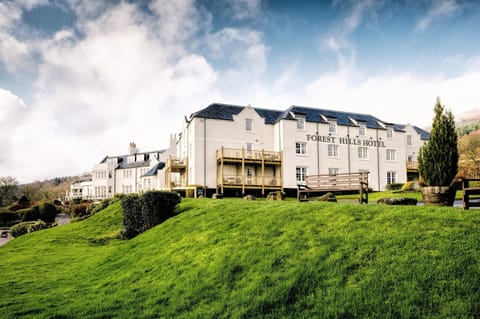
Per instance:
x=468, y=117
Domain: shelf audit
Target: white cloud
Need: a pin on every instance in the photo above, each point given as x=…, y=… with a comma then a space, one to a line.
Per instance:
x=395, y=97
x=440, y=9
x=119, y=82
x=245, y=9
x=12, y=114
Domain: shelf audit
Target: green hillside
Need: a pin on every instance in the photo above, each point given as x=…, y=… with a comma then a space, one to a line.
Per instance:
x=244, y=259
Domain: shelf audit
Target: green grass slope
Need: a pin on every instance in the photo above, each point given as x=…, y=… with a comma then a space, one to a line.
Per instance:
x=245, y=259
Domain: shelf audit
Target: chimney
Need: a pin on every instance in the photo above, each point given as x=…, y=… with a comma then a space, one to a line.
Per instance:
x=132, y=149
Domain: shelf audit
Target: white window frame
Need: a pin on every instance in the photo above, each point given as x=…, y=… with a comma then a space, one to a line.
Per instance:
x=390, y=133
x=362, y=153
x=391, y=177
x=409, y=140
x=300, y=174
x=332, y=126
x=249, y=147
x=333, y=151
x=333, y=171
x=248, y=125
x=300, y=123
x=362, y=129
x=301, y=148
x=389, y=152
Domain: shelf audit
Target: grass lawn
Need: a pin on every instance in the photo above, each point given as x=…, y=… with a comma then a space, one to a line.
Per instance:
x=233, y=258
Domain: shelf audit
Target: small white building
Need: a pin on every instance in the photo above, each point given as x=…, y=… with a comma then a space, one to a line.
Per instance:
x=81, y=189
x=242, y=149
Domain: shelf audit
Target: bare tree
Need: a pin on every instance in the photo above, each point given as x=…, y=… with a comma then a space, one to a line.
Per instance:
x=8, y=190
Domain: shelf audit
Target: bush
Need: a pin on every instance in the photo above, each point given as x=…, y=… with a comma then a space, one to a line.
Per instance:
x=27, y=227
x=79, y=210
x=48, y=211
x=133, y=223
x=142, y=213
x=8, y=218
x=394, y=186
x=158, y=206
x=29, y=214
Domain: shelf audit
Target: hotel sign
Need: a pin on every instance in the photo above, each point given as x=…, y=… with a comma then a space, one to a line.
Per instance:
x=345, y=140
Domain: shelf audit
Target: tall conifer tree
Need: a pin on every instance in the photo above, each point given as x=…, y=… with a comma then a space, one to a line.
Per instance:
x=438, y=158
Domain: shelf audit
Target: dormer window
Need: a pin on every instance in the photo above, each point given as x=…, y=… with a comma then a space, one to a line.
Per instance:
x=362, y=129
x=332, y=126
x=389, y=132
x=300, y=123
x=249, y=125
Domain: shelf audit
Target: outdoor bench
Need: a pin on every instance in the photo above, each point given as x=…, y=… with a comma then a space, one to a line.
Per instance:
x=335, y=183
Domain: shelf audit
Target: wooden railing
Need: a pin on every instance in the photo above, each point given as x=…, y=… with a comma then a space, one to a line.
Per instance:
x=412, y=166
x=239, y=180
x=249, y=155
x=471, y=193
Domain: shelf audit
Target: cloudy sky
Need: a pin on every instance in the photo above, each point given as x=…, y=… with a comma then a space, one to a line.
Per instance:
x=80, y=79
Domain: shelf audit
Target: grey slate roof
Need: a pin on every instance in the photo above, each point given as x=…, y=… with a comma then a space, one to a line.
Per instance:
x=220, y=111
x=342, y=118
x=226, y=112
x=123, y=158
x=124, y=164
x=424, y=135
x=154, y=169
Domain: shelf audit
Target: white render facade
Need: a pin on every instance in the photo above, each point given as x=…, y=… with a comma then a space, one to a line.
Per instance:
x=135, y=172
x=243, y=148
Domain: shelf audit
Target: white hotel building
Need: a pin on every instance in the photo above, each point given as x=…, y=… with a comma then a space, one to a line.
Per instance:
x=236, y=150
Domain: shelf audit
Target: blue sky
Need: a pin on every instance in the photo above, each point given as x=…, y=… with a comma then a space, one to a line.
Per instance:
x=80, y=79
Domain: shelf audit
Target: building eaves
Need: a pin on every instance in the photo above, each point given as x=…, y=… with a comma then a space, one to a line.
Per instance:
x=317, y=115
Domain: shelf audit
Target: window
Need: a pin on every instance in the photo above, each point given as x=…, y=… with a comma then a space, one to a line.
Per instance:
x=249, y=147
x=301, y=173
x=333, y=171
x=363, y=153
x=410, y=158
x=409, y=140
x=249, y=125
x=333, y=150
x=301, y=123
x=249, y=172
x=332, y=126
x=389, y=132
x=391, y=155
x=391, y=177
x=301, y=148
x=362, y=129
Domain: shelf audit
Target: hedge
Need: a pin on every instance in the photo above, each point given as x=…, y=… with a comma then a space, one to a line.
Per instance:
x=147, y=211
x=27, y=227
x=133, y=223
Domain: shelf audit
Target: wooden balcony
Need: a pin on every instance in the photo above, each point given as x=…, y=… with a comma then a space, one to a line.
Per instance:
x=231, y=155
x=175, y=164
x=412, y=166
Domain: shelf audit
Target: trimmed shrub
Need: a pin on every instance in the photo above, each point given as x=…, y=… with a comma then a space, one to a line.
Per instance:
x=142, y=213
x=29, y=214
x=27, y=227
x=8, y=218
x=48, y=211
x=133, y=223
x=79, y=210
x=158, y=206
